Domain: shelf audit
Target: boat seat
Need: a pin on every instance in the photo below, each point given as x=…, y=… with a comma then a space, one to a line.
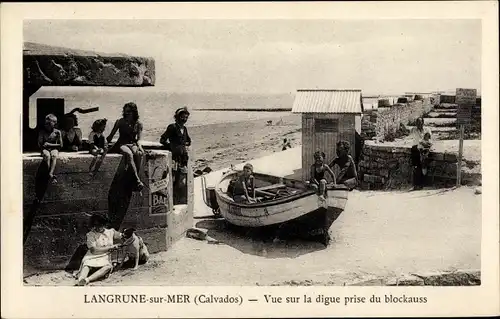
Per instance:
x=273, y=186
x=264, y=192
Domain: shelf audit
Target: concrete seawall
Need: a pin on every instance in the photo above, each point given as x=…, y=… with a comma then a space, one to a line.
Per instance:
x=56, y=225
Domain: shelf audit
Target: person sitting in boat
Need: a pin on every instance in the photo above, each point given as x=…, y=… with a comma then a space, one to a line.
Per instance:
x=50, y=142
x=348, y=174
x=96, y=263
x=176, y=139
x=71, y=134
x=243, y=188
x=318, y=170
x=129, y=141
x=97, y=140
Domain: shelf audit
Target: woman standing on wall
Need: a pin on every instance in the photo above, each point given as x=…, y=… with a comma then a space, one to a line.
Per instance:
x=176, y=139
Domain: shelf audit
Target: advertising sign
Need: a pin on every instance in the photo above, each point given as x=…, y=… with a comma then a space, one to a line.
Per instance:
x=465, y=100
x=159, y=178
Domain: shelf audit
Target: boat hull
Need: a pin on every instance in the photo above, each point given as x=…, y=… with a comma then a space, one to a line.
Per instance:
x=299, y=214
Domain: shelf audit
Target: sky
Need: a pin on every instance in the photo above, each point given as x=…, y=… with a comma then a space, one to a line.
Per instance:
x=281, y=56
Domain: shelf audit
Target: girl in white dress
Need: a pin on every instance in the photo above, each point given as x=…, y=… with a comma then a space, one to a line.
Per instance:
x=96, y=263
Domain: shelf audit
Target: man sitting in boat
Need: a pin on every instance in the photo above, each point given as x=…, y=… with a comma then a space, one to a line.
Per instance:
x=243, y=188
x=318, y=170
x=348, y=174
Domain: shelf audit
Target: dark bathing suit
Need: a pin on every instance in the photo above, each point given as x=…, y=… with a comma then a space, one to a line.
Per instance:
x=99, y=141
x=319, y=175
x=343, y=163
x=128, y=134
x=52, y=138
x=178, y=141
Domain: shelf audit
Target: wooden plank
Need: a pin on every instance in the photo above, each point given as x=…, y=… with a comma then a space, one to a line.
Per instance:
x=460, y=152
x=274, y=186
x=264, y=193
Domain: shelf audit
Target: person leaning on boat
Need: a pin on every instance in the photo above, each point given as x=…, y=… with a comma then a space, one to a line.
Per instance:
x=242, y=188
x=348, y=174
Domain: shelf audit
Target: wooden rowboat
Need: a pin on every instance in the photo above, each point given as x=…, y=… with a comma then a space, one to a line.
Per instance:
x=287, y=204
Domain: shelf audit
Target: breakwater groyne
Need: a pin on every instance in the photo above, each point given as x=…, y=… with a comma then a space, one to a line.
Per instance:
x=249, y=110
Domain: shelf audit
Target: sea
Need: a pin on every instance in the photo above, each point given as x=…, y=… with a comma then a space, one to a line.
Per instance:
x=156, y=107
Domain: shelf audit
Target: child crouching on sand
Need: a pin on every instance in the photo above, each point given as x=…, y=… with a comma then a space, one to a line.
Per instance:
x=50, y=142
x=318, y=170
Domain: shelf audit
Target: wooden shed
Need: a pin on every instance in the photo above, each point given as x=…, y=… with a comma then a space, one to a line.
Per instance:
x=328, y=116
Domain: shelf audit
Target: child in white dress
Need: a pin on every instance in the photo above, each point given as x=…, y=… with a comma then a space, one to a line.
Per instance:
x=96, y=263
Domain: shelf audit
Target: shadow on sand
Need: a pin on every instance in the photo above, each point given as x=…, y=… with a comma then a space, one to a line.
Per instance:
x=258, y=242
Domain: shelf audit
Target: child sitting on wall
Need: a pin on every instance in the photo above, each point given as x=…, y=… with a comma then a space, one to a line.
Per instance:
x=50, y=142
x=97, y=141
x=71, y=134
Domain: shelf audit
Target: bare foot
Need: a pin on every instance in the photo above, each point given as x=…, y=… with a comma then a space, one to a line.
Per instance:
x=81, y=282
x=140, y=186
x=52, y=179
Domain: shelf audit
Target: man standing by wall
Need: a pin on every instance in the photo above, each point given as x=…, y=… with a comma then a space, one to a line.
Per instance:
x=417, y=135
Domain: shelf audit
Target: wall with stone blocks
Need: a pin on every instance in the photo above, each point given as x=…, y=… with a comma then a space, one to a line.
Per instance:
x=388, y=167
x=389, y=119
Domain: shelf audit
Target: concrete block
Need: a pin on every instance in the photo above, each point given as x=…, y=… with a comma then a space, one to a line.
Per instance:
x=450, y=157
x=373, y=179
x=436, y=156
x=384, y=173
x=47, y=65
x=55, y=229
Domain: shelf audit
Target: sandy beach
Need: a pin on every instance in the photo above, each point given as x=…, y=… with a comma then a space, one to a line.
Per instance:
x=220, y=145
x=379, y=234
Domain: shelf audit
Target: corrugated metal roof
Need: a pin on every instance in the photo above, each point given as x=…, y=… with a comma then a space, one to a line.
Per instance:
x=327, y=101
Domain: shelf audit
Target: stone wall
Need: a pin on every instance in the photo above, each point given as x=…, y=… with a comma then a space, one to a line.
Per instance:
x=369, y=124
x=388, y=167
x=389, y=119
